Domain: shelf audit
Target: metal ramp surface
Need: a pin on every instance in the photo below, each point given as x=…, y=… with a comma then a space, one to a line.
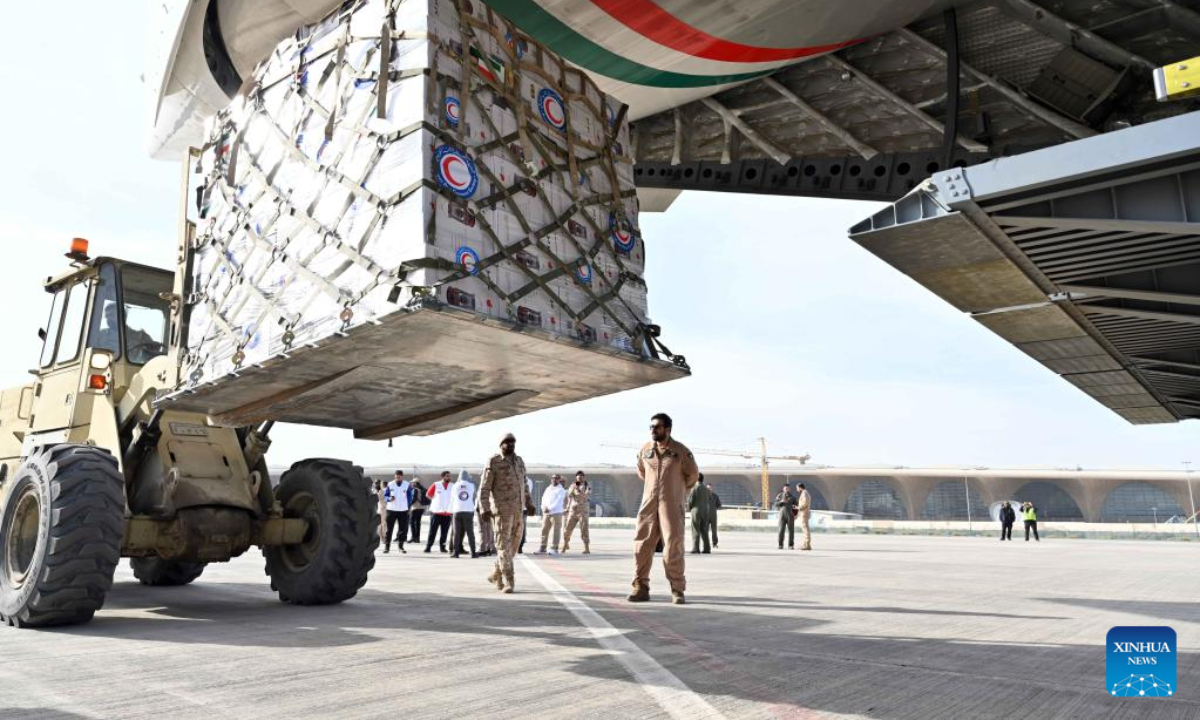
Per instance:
x=1085, y=256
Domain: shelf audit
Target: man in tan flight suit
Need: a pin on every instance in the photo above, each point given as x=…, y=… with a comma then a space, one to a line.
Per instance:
x=505, y=502
x=804, y=505
x=578, y=511
x=668, y=470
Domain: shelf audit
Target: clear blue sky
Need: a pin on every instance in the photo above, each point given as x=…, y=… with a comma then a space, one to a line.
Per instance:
x=793, y=331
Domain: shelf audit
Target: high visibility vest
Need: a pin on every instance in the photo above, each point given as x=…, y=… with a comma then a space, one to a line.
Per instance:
x=1030, y=514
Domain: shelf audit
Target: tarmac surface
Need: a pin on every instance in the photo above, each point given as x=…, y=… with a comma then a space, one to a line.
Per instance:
x=864, y=626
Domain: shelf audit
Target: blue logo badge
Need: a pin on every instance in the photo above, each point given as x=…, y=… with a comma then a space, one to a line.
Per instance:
x=453, y=110
x=552, y=109
x=622, y=234
x=455, y=171
x=469, y=259
x=1141, y=661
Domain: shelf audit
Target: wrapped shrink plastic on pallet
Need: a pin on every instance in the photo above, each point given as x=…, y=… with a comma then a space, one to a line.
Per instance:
x=471, y=165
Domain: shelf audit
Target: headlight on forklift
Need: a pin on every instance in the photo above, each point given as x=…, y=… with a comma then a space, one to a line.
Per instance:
x=101, y=360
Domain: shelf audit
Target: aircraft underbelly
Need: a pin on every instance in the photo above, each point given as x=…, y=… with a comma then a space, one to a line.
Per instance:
x=651, y=54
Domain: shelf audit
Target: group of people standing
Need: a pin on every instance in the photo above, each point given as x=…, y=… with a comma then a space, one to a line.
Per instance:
x=450, y=505
x=1008, y=517
x=500, y=504
x=792, y=508
x=575, y=505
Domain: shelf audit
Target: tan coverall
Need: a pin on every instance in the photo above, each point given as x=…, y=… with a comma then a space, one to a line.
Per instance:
x=667, y=472
x=804, y=506
x=578, y=511
x=502, y=493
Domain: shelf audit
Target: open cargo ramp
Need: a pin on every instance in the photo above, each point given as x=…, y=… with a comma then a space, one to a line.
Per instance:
x=1085, y=256
x=420, y=372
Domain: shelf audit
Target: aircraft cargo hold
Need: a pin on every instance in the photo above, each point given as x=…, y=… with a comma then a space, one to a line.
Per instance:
x=414, y=218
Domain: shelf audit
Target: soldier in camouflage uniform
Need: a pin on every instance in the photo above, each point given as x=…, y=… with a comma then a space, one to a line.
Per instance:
x=505, y=502
x=578, y=511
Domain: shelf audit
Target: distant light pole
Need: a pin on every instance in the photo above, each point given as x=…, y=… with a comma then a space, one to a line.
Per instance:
x=967, y=490
x=1155, y=511
x=1187, y=464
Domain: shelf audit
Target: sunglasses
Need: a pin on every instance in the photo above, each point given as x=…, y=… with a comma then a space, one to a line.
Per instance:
x=657, y=426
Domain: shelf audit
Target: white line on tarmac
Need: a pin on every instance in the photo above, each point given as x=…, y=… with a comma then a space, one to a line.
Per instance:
x=659, y=683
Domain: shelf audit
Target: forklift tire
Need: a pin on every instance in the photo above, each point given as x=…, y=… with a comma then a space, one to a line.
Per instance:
x=338, y=552
x=62, y=518
x=157, y=572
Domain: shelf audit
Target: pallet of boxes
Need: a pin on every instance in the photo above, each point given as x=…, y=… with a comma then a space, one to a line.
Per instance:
x=415, y=218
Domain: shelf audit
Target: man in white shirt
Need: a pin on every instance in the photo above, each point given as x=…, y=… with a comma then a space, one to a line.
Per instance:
x=441, y=506
x=396, y=497
x=463, y=502
x=553, y=501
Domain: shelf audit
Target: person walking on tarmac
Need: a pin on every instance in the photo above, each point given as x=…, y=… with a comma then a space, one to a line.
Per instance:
x=1008, y=516
x=553, y=501
x=441, y=505
x=1029, y=512
x=804, y=513
x=381, y=494
x=668, y=470
x=463, y=501
x=785, y=503
x=579, y=501
x=506, y=502
x=716, y=505
x=700, y=504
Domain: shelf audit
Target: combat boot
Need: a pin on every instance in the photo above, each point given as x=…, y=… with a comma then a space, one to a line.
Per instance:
x=509, y=586
x=494, y=578
x=677, y=597
x=586, y=550
x=641, y=593
x=565, y=547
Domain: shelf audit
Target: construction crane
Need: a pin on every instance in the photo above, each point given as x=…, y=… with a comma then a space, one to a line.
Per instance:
x=762, y=456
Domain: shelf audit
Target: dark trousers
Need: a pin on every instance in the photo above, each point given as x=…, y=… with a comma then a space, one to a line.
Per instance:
x=464, y=524
x=416, y=515
x=1006, y=531
x=396, y=517
x=700, y=531
x=524, y=533
x=787, y=522
x=1031, y=525
x=713, y=526
x=438, y=522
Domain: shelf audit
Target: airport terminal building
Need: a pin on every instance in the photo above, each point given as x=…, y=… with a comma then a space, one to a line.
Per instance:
x=876, y=493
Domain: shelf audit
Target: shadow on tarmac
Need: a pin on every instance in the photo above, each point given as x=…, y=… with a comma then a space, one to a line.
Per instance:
x=1182, y=611
x=787, y=664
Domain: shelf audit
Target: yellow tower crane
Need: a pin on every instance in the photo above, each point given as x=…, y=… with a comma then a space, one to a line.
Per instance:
x=762, y=456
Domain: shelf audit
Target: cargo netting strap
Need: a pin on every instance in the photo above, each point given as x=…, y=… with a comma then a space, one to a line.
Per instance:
x=264, y=214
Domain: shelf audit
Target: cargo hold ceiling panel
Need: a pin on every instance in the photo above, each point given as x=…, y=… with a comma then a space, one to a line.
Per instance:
x=1085, y=256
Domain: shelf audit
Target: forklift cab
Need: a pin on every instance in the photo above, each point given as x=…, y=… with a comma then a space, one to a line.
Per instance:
x=108, y=319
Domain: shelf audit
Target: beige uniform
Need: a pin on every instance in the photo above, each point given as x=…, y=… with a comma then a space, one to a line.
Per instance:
x=382, y=513
x=804, y=506
x=502, y=493
x=668, y=472
x=578, y=511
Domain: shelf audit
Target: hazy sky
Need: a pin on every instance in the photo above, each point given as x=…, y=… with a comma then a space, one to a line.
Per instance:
x=792, y=330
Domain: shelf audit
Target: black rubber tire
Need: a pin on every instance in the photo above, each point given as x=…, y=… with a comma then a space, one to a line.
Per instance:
x=157, y=572
x=339, y=552
x=80, y=516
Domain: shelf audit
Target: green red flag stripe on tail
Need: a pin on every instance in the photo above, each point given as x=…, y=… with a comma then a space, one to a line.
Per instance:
x=651, y=21
x=570, y=44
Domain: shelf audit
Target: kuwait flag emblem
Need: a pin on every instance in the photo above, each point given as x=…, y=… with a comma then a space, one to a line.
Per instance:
x=489, y=66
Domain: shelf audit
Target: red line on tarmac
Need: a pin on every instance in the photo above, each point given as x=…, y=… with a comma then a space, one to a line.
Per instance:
x=651, y=21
